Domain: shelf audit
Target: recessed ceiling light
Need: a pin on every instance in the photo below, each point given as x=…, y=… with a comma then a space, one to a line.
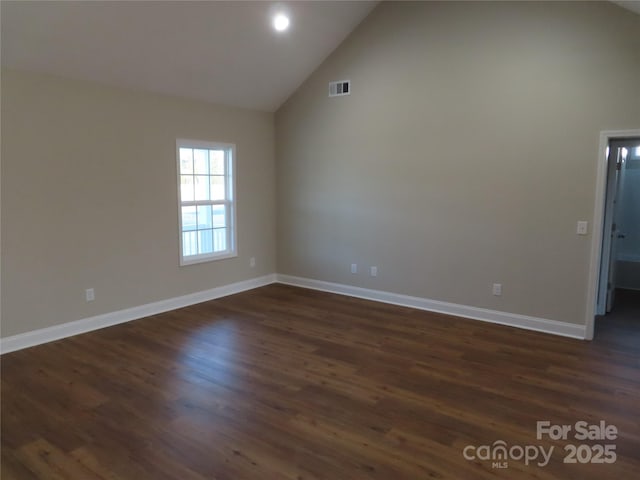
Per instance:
x=280, y=22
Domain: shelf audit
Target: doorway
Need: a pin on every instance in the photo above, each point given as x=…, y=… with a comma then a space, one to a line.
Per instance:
x=615, y=272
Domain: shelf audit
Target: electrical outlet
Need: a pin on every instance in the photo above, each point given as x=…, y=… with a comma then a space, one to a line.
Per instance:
x=89, y=295
x=497, y=289
x=374, y=271
x=252, y=262
x=354, y=268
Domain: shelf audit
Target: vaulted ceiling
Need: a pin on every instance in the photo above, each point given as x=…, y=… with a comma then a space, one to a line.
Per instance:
x=632, y=5
x=221, y=52
x=224, y=52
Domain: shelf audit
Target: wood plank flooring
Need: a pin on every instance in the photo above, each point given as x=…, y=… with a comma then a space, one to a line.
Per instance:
x=287, y=383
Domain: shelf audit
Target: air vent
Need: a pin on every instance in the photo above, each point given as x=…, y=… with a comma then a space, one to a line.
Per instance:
x=342, y=87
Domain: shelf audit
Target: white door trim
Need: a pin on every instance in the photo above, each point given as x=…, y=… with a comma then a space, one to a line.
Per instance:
x=598, y=222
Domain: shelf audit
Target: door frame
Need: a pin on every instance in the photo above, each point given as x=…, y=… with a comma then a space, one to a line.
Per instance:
x=598, y=223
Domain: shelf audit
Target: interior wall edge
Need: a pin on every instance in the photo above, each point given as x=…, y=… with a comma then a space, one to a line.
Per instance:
x=69, y=329
x=526, y=322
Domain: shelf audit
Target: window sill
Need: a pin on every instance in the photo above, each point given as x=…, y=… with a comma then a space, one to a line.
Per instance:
x=196, y=259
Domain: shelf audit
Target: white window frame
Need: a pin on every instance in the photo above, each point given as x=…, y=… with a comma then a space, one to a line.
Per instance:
x=229, y=201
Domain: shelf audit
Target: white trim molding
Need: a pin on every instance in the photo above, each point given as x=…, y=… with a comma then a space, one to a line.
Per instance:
x=564, y=329
x=57, y=332
x=598, y=223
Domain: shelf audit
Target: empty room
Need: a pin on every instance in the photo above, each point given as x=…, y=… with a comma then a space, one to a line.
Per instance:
x=304, y=240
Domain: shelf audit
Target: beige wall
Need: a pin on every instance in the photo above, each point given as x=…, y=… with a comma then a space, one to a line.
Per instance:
x=464, y=157
x=465, y=154
x=89, y=198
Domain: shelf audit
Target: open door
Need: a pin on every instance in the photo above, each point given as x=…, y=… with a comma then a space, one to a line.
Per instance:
x=617, y=155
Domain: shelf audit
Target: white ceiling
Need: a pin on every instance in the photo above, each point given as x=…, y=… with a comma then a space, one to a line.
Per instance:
x=222, y=52
x=633, y=5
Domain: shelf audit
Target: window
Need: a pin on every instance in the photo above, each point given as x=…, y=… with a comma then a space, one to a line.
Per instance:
x=206, y=201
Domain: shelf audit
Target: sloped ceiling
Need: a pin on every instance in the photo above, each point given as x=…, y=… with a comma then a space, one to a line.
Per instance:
x=632, y=5
x=221, y=52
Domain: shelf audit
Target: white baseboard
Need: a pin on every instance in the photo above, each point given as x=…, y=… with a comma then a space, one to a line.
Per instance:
x=49, y=334
x=57, y=332
x=503, y=318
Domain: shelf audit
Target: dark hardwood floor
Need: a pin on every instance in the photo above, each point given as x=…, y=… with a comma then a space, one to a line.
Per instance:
x=286, y=383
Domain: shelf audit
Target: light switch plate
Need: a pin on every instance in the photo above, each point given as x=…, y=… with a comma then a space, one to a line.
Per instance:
x=583, y=227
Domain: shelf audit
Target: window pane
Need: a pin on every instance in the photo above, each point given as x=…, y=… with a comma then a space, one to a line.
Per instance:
x=205, y=241
x=186, y=160
x=204, y=180
x=189, y=243
x=201, y=162
x=219, y=217
x=216, y=158
x=217, y=188
x=219, y=239
x=202, y=187
x=186, y=188
x=189, y=221
x=204, y=216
